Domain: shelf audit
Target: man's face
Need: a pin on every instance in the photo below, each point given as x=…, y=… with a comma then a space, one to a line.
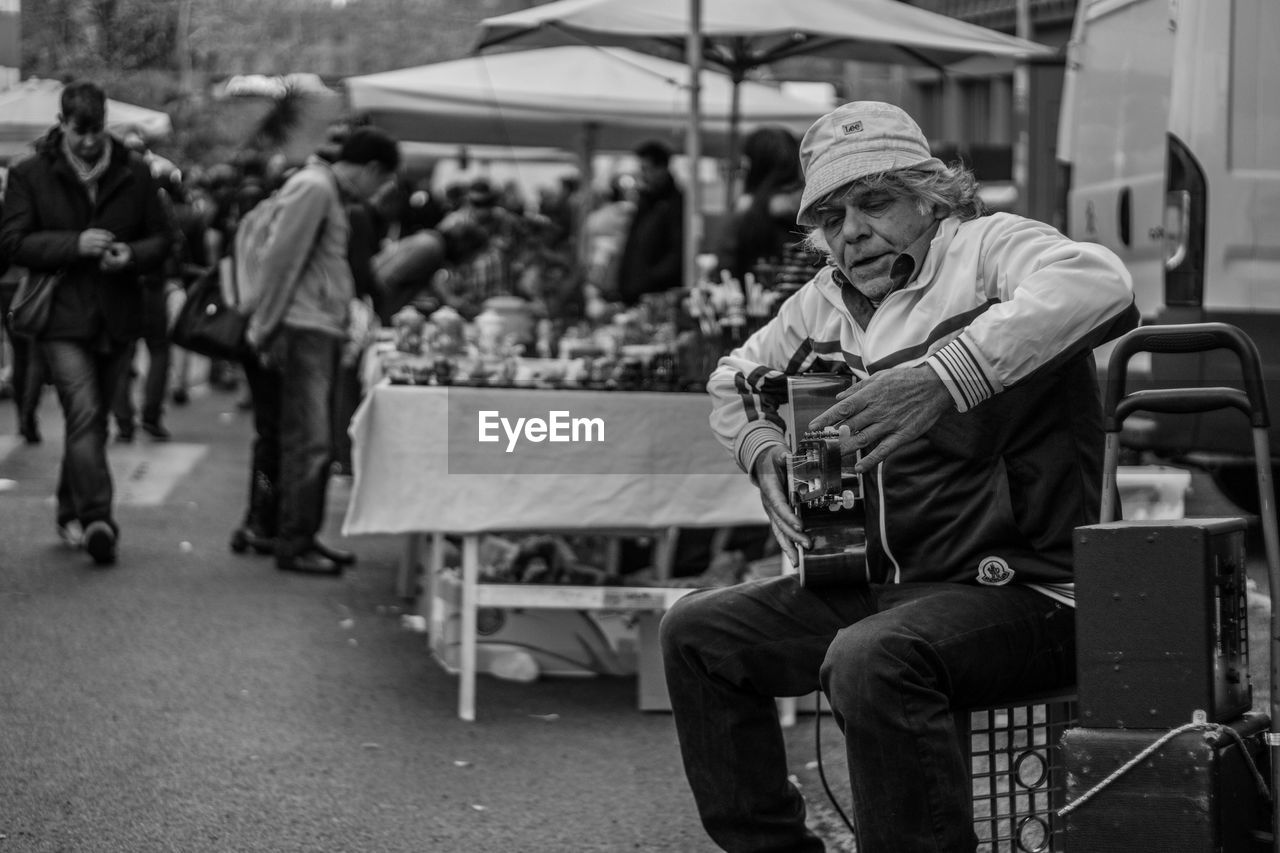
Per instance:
x=651, y=173
x=86, y=135
x=866, y=229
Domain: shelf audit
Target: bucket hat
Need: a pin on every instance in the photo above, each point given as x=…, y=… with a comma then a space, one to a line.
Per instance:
x=854, y=141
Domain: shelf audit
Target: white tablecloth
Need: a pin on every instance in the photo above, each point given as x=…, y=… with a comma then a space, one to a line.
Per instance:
x=420, y=466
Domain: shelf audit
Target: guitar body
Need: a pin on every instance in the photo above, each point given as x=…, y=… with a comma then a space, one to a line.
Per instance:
x=824, y=496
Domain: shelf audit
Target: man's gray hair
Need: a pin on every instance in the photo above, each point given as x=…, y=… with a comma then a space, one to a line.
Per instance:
x=953, y=190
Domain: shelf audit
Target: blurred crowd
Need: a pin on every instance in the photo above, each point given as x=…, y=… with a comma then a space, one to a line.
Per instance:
x=575, y=253
x=574, y=256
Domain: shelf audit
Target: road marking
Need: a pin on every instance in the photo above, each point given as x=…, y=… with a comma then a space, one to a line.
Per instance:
x=144, y=474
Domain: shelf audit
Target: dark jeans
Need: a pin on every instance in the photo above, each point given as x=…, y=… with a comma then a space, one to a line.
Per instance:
x=29, y=379
x=155, y=333
x=346, y=399
x=309, y=364
x=262, y=515
x=159, y=353
x=893, y=661
x=84, y=374
x=28, y=373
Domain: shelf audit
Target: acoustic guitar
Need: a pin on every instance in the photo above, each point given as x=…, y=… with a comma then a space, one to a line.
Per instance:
x=825, y=495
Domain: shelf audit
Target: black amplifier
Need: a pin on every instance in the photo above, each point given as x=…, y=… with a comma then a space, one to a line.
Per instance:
x=1161, y=622
x=1196, y=793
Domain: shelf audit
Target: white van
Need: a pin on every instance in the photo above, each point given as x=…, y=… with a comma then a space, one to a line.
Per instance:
x=1169, y=146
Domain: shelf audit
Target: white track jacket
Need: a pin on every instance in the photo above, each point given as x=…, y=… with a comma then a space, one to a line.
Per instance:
x=1007, y=311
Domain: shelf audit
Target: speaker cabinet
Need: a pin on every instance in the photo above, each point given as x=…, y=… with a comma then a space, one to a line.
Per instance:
x=1196, y=793
x=1161, y=623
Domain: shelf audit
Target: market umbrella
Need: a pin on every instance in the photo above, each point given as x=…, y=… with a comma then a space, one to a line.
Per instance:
x=740, y=35
x=570, y=97
x=30, y=108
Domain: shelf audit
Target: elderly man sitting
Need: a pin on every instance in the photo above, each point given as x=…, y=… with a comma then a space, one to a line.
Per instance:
x=975, y=420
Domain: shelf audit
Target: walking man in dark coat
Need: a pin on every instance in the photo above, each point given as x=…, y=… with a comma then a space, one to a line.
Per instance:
x=85, y=206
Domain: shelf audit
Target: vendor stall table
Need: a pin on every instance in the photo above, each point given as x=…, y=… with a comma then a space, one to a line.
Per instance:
x=436, y=460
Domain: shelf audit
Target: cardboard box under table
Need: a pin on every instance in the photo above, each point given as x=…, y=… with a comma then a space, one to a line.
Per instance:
x=436, y=460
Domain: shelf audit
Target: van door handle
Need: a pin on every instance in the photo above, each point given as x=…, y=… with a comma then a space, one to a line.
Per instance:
x=1124, y=216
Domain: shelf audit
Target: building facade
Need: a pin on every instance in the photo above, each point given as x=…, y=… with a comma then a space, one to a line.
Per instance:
x=969, y=111
x=10, y=42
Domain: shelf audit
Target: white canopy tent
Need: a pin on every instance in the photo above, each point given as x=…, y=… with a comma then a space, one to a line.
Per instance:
x=741, y=35
x=30, y=108
x=577, y=98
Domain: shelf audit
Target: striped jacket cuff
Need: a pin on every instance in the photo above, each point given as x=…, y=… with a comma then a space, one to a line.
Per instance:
x=958, y=367
x=755, y=441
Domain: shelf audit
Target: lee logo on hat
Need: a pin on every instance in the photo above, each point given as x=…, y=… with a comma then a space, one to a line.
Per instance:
x=852, y=127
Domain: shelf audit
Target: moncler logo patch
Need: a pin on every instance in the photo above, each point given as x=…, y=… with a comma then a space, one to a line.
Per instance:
x=994, y=571
x=851, y=127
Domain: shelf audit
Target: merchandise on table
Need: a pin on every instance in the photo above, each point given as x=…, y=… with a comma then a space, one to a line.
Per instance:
x=670, y=341
x=633, y=352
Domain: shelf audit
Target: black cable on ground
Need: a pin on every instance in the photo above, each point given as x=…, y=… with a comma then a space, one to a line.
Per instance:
x=817, y=746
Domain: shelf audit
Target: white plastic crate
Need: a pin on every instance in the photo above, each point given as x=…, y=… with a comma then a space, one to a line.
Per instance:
x=1152, y=491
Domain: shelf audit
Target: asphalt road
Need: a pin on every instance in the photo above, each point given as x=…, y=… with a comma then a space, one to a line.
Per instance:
x=188, y=699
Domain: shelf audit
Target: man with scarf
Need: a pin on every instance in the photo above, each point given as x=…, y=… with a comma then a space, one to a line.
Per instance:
x=83, y=205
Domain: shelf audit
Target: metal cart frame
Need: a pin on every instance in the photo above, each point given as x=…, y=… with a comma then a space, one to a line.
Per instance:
x=1252, y=401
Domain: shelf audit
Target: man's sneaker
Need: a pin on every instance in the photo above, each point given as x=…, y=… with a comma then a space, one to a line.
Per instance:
x=156, y=431
x=342, y=558
x=71, y=533
x=310, y=562
x=30, y=430
x=245, y=537
x=100, y=542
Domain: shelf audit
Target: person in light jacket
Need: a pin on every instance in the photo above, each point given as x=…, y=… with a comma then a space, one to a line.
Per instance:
x=299, y=327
